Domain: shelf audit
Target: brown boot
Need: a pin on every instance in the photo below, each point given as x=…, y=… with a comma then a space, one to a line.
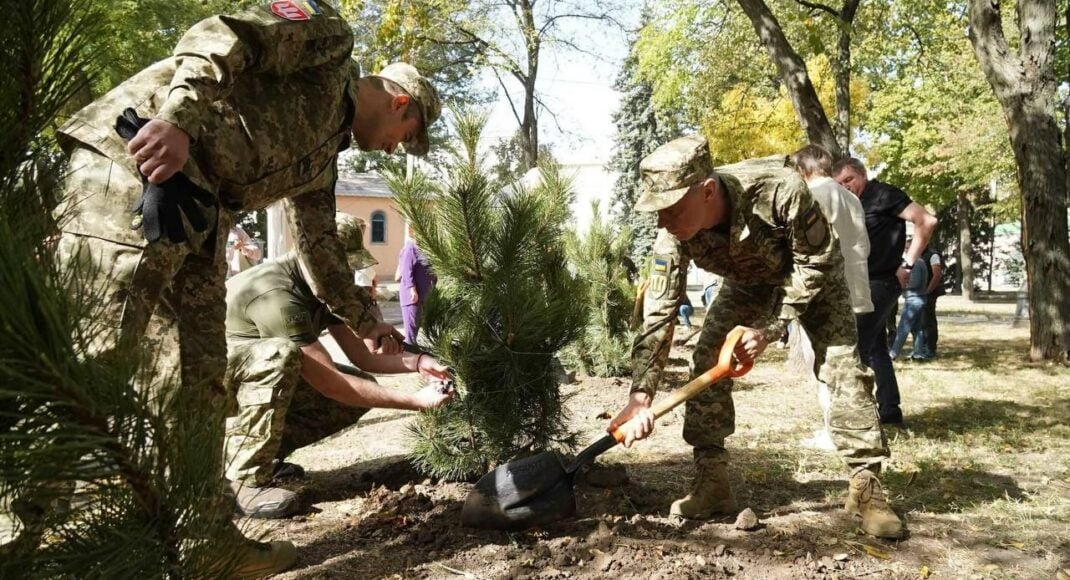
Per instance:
x=866, y=500
x=262, y=559
x=265, y=502
x=711, y=494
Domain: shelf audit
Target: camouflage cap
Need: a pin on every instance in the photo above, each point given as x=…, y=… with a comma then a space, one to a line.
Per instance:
x=425, y=96
x=351, y=234
x=670, y=170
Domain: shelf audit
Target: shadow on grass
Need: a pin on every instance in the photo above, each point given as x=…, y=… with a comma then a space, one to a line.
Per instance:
x=1005, y=420
x=936, y=489
x=990, y=354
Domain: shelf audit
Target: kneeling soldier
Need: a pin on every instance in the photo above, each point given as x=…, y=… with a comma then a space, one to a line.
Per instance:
x=755, y=224
x=289, y=391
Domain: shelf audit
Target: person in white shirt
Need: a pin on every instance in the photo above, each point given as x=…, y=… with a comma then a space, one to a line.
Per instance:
x=848, y=219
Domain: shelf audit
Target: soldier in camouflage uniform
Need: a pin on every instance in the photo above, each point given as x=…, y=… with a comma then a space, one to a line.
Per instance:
x=253, y=108
x=289, y=392
x=756, y=224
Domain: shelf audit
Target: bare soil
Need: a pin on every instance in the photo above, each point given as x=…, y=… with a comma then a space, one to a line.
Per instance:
x=980, y=472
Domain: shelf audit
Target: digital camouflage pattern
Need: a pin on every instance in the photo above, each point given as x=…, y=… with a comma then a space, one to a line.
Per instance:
x=407, y=77
x=278, y=411
x=780, y=261
x=669, y=171
x=268, y=104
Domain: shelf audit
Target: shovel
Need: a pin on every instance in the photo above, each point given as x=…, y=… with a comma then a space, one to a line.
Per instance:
x=537, y=490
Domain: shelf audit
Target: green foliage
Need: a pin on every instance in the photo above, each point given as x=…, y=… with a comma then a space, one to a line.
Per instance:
x=600, y=259
x=939, y=130
x=145, y=507
x=640, y=130
x=137, y=33
x=503, y=307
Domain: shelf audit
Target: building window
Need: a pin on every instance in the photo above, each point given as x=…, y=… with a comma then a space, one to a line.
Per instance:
x=378, y=227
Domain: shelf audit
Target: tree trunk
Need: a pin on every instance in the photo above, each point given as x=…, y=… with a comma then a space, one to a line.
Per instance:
x=1025, y=87
x=965, y=209
x=841, y=69
x=529, y=128
x=793, y=73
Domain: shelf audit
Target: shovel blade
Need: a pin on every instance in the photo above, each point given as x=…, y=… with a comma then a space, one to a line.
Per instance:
x=528, y=492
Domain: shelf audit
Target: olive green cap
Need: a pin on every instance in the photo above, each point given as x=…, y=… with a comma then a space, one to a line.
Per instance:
x=423, y=94
x=351, y=234
x=670, y=170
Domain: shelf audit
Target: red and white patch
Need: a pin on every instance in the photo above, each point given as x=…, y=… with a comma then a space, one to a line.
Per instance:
x=289, y=10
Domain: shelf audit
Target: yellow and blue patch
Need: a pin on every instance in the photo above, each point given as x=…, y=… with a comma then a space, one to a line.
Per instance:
x=661, y=265
x=312, y=6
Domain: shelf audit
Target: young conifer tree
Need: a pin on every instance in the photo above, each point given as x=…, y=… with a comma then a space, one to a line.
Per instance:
x=504, y=305
x=96, y=480
x=600, y=258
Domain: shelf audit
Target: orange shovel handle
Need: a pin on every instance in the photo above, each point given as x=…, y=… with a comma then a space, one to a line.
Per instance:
x=726, y=367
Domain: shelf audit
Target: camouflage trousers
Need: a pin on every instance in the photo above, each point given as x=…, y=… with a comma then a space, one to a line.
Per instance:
x=278, y=411
x=168, y=296
x=830, y=323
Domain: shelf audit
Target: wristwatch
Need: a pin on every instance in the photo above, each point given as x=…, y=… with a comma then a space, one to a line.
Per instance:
x=906, y=266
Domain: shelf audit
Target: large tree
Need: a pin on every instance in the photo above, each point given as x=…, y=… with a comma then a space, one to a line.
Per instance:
x=692, y=51
x=1023, y=80
x=509, y=39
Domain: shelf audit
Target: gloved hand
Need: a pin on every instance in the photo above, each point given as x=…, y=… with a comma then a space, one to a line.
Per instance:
x=162, y=206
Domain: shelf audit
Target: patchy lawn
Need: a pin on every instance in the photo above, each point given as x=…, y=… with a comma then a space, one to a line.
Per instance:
x=980, y=471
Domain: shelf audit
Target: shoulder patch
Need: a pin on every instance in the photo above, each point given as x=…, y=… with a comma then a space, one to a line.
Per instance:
x=289, y=10
x=660, y=270
x=816, y=227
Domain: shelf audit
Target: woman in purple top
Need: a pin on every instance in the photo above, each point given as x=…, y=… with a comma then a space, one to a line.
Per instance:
x=417, y=280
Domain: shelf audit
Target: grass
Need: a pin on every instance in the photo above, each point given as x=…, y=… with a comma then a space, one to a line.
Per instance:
x=981, y=469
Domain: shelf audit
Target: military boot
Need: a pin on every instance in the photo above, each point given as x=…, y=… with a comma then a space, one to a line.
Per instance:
x=261, y=559
x=711, y=494
x=265, y=502
x=866, y=500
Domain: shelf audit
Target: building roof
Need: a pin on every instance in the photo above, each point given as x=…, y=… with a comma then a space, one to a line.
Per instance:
x=362, y=185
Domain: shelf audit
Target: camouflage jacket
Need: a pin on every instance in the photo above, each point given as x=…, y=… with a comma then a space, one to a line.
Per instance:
x=265, y=97
x=776, y=237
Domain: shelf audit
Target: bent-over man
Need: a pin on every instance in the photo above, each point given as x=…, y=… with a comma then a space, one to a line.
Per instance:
x=251, y=108
x=755, y=224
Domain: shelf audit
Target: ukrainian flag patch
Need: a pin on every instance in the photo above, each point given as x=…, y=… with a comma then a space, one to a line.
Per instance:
x=312, y=6
x=661, y=265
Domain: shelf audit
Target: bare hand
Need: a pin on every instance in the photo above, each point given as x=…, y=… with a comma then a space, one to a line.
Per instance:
x=160, y=150
x=751, y=345
x=428, y=366
x=638, y=408
x=903, y=275
x=414, y=296
x=384, y=339
x=432, y=397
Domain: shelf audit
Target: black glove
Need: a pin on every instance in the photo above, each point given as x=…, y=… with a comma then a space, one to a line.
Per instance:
x=161, y=206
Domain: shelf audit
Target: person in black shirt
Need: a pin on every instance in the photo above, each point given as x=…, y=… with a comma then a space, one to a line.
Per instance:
x=887, y=211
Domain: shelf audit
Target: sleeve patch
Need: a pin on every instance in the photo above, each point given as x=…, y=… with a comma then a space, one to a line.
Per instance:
x=816, y=228
x=289, y=10
x=661, y=265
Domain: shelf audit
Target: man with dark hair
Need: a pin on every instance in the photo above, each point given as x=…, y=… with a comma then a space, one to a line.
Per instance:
x=756, y=224
x=887, y=211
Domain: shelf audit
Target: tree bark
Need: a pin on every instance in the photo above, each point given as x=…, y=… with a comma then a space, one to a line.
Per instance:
x=529, y=126
x=965, y=209
x=841, y=69
x=1025, y=86
x=808, y=109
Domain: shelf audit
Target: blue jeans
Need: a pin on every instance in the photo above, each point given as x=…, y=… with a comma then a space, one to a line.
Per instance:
x=873, y=340
x=685, y=314
x=911, y=321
